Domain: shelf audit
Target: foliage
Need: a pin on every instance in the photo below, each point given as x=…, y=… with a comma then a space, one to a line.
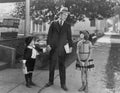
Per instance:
x=19, y=11
x=44, y=10
x=91, y=8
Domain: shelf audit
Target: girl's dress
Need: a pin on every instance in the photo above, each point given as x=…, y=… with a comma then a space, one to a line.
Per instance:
x=83, y=48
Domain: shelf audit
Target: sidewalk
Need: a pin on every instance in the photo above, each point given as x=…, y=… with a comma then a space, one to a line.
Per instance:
x=95, y=78
x=12, y=80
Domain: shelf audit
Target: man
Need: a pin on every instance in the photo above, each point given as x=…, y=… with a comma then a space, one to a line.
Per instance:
x=59, y=36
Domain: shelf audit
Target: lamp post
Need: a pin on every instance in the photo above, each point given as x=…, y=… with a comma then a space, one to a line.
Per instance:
x=27, y=18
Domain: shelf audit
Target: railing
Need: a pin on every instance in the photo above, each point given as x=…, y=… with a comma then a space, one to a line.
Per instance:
x=7, y=55
x=34, y=28
x=39, y=28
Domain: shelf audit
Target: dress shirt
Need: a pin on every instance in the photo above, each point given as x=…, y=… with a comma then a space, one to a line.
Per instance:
x=61, y=22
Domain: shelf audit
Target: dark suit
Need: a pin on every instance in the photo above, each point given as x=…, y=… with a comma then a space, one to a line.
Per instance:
x=58, y=36
x=30, y=62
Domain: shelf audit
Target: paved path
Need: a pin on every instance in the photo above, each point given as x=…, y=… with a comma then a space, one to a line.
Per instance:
x=12, y=80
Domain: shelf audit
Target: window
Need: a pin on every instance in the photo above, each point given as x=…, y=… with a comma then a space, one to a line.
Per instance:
x=92, y=24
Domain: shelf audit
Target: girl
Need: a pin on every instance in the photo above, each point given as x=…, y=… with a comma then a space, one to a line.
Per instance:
x=83, y=53
x=30, y=53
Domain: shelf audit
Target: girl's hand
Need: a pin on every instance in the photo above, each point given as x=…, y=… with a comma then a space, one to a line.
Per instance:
x=71, y=49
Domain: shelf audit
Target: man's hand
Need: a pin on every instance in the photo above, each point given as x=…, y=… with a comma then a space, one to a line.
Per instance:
x=71, y=49
x=23, y=61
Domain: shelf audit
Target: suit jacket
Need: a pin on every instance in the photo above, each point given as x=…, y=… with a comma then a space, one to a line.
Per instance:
x=58, y=36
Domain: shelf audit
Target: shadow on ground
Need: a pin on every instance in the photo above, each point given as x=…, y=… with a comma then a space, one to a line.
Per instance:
x=112, y=65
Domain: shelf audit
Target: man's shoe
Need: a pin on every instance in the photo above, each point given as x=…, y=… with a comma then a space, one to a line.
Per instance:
x=64, y=88
x=82, y=88
x=49, y=84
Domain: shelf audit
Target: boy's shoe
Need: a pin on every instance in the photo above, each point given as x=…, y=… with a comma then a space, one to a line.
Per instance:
x=28, y=85
x=32, y=83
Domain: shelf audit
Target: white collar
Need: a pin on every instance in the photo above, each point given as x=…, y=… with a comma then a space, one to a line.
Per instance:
x=62, y=21
x=31, y=47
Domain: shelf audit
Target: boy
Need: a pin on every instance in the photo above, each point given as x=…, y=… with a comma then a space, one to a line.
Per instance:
x=30, y=53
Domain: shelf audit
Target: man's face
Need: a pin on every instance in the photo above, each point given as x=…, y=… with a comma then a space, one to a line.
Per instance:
x=63, y=16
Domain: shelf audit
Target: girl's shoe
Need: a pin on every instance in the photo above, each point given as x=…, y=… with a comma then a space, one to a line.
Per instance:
x=82, y=88
x=77, y=65
x=86, y=89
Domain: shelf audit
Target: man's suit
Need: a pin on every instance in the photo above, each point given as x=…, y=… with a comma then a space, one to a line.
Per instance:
x=58, y=36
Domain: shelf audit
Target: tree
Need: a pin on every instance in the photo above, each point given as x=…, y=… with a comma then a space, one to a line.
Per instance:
x=19, y=11
x=44, y=10
x=40, y=10
x=91, y=8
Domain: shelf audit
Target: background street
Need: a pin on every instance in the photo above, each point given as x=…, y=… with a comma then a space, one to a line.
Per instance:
x=103, y=79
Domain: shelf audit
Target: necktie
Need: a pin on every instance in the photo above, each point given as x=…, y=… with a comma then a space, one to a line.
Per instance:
x=61, y=23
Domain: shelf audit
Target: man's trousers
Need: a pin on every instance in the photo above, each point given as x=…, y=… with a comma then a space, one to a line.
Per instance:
x=54, y=58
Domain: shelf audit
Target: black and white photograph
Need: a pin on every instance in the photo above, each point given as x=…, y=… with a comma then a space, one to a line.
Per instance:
x=59, y=46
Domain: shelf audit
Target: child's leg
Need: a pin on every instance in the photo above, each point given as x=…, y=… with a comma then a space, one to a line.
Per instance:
x=26, y=74
x=27, y=79
x=31, y=71
x=86, y=80
x=31, y=82
x=86, y=76
x=83, y=79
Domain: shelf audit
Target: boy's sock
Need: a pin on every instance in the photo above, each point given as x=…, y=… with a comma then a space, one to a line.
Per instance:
x=31, y=82
x=27, y=80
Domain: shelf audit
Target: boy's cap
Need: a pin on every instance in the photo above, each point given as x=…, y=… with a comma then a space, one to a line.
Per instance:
x=28, y=40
